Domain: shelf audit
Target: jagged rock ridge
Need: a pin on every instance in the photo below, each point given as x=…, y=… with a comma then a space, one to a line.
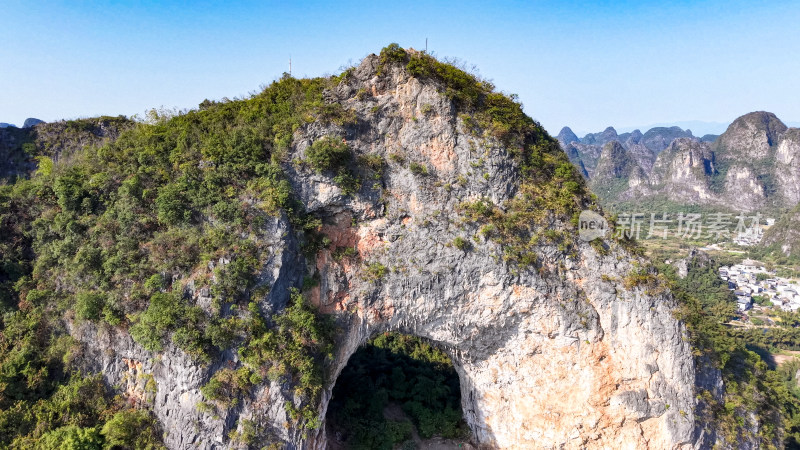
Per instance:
x=584, y=152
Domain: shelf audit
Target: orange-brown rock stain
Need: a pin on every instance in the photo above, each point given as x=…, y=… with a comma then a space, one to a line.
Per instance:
x=134, y=385
x=365, y=240
x=440, y=151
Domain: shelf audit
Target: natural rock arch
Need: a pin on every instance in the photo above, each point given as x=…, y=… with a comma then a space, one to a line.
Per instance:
x=560, y=354
x=542, y=360
x=394, y=381
x=551, y=354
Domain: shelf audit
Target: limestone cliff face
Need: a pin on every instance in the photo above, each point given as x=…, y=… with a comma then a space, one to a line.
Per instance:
x=546, y=359
x=566, y=136
x=562, y=355
x=643, y=155
x=659, y=138
x=787, y=174
x=742, y=187
x=618, y=174
x=585, y=156
x=681, y=171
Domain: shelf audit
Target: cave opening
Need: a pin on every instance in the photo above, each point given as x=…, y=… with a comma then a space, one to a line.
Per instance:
x=397, y=392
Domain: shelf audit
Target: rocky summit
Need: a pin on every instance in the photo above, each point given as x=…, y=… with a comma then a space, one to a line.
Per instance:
x=220, y=267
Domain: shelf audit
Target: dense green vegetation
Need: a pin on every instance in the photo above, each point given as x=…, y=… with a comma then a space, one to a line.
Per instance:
x=103, y=237
x=782, y=233
x=400, y=371
x=750, y=383
x=750, y=386
x=71, y=413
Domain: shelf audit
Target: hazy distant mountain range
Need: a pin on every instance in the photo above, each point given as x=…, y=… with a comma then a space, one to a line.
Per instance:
x=697, y=127
x=642, y=149
x=753, y=165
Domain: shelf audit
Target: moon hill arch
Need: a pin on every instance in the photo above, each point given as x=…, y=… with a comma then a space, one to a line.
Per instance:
x=461, y=232
x=547, y=354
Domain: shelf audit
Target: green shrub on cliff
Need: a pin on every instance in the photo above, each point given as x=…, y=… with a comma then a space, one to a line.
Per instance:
x=227, y=386
x=75, y=412
x=329, y=153
x=71, y=437
x=131, y=429
x=89, y=305
x=163, y=313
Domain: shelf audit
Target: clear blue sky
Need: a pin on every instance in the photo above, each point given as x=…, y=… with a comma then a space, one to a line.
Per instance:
x=583, y=64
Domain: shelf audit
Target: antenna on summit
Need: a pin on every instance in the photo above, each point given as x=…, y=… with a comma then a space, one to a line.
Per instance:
x=426, y=45
x=290, y=65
